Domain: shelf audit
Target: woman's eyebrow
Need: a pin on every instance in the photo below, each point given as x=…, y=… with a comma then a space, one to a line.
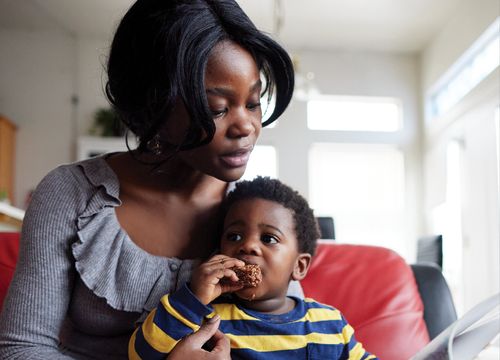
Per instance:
x=225, y=91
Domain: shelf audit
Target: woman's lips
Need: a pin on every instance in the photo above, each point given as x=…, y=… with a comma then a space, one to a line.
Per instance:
x=236, y=159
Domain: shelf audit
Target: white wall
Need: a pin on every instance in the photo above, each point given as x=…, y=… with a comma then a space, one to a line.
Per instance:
x=470, y=19
x=91, y=79
x=36, y=72
x=471, y=122
x=40, y=72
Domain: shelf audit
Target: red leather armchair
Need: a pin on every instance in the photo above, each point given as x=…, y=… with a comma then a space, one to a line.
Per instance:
x=9, y=249
x=376, y=291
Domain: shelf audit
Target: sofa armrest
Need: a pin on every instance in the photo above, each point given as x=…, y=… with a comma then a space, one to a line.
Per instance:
x=439, y=310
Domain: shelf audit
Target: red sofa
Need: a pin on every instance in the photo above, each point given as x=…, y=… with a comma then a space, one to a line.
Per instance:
x=376, y=291
x=373, y=287
x=9, y=250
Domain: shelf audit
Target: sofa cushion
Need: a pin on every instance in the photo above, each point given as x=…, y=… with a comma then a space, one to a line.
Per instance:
x=376, y=291
x=9, y=249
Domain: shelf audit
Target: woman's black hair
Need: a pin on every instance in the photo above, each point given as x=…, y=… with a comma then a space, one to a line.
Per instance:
x=159, y=54
x=306, y=226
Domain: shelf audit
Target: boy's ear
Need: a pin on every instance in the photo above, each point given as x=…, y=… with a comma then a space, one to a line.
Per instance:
x=302, y=264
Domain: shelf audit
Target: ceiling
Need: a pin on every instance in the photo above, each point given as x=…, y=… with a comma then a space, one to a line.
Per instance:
x=403, y=26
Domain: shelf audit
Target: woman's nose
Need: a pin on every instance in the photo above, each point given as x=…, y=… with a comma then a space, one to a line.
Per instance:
x=242, y=125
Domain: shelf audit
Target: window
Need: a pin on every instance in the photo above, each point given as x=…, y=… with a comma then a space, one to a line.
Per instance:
x=362, y=187
x=262, y=162
x=354, y=113
x=474, y=66
x=446, y=219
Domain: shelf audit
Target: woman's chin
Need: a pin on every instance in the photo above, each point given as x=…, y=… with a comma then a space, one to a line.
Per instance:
x=228, y=174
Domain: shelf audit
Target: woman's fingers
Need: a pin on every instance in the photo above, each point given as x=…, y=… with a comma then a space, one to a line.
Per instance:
x=191, y=346
x=222, y=348
x=206, y=331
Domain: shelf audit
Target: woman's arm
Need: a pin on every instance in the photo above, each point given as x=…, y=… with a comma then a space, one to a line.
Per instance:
x=40, y=291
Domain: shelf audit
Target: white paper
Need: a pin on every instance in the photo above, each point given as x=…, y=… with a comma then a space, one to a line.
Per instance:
x=467, y=336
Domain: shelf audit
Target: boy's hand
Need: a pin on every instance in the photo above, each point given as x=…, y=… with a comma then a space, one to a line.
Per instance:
x=205, y=281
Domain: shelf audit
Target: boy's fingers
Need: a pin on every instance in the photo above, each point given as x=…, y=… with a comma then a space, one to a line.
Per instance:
x=230, y=274
x=224, y=261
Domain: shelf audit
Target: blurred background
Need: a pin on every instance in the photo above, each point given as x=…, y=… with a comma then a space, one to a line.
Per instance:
x=393, y=131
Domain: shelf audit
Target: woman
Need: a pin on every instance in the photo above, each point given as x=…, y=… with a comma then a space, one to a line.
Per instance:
x=105, y=238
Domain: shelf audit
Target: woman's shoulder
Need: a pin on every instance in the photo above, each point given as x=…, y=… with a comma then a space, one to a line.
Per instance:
x=94, y=172
x=78, y=180
x=67, y=190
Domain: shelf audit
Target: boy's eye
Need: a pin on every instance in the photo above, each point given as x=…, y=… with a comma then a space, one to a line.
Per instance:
x=269, y=239
x=233, y=237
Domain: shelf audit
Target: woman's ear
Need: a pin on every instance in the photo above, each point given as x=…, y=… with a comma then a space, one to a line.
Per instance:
x=301, y=266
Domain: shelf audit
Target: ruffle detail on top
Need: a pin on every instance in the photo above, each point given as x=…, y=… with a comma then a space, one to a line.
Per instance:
x=109, y=263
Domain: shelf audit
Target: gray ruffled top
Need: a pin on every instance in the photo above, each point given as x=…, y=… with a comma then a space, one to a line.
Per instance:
x=112, y=268
x=79, y=273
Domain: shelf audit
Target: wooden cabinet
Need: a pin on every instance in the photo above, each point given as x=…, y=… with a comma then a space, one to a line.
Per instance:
x=7, y=157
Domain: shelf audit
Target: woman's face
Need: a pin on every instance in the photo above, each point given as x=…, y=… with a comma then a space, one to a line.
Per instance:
x=233, y=86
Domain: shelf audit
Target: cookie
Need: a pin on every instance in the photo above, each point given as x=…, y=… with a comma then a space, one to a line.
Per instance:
x=248, y=275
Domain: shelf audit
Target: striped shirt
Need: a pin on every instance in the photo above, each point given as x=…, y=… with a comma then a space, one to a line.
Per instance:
x=310, y=331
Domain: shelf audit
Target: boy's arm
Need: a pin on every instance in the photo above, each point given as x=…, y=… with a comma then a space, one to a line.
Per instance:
x=178, y=315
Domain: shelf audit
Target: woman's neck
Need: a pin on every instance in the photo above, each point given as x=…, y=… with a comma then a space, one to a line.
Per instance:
x=171, y=177
x=164, y=215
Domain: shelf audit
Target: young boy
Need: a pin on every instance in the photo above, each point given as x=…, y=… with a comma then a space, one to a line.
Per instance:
x=268, y=224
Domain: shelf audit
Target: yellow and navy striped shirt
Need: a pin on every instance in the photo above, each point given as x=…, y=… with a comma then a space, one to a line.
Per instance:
x=310, y=331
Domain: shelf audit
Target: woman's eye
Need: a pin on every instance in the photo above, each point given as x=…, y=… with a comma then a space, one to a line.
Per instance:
x=218, y=113
x=233, y=237
x=253, y=106
x=269, y=239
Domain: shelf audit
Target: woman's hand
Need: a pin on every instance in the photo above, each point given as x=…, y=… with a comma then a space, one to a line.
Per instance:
x=191, y=346
x=205, y=281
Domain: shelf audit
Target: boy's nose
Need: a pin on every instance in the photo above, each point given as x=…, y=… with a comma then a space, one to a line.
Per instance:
x=250, y=247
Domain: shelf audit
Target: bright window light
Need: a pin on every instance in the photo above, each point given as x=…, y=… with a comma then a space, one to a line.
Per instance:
x=481, y=59
x=354, y=113
x=446, y=219
x=362, y=187
x=262, y=162
x=266, y=107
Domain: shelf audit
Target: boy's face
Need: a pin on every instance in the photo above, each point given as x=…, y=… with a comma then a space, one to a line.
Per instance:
x=262, y=232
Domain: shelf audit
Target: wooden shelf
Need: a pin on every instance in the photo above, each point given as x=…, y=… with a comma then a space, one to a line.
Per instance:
x=11, y=216
x=7, y=156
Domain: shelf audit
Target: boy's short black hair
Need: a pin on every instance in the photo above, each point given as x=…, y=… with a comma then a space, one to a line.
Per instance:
x=306, y=227
x=159, y=54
